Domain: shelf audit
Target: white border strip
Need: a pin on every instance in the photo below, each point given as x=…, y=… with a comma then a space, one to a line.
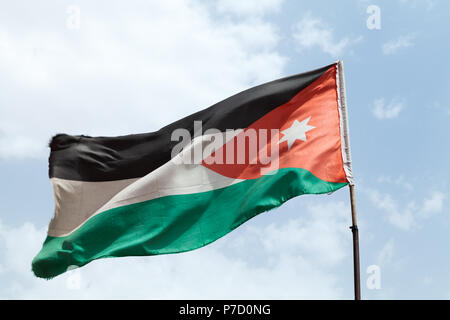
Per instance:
x=343, y=122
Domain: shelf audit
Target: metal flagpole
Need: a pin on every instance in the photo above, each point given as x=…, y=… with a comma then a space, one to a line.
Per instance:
x=354, y=227
x=348, y=171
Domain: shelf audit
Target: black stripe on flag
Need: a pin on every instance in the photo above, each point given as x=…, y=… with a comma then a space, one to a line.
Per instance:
x=85, y=158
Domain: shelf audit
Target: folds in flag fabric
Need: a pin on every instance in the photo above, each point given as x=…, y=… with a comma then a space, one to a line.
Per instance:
x=197, y=179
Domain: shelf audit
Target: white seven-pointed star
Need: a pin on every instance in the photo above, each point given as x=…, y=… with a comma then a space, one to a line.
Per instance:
x=297, y=131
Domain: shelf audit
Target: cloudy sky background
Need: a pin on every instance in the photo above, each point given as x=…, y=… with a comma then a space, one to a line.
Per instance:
x=135, y=66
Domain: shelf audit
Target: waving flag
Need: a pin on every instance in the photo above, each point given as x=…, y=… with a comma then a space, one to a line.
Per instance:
x=197, y=179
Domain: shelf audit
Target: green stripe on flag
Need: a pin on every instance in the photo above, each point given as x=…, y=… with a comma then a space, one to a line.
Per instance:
x=174, y=223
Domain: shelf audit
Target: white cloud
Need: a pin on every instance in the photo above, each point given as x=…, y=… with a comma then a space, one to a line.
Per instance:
x=393, y=46
x=121, y=68
x=298, y=259
x=297, y=234
x=381, y=110
x=408, y=216
x=437, y=106
x=312, y=32
x=386, y=254
x=429, y=4
x=401, y=218
x=249, y=7
x=399, y=181
x=434, y=204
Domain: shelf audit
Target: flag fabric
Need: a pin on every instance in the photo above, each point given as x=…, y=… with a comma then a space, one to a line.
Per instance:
x=197, y=179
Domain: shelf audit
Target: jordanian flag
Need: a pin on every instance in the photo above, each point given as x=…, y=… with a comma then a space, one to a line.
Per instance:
x=197, y=179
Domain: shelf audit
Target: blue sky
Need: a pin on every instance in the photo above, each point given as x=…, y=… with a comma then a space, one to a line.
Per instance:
x=129, y=67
